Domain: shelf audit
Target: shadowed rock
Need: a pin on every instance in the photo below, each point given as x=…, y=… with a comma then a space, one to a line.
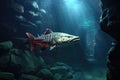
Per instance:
x=110, y=23
x=29, y=77
x=6, y=45
x=7, y=76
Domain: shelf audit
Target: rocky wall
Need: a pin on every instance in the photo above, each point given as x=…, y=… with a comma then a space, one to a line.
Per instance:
x=110, y=23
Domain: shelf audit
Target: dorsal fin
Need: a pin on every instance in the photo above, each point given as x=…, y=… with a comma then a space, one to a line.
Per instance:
x=48, y=31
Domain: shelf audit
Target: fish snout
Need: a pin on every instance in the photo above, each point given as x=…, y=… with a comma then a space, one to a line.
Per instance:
x=75, y=38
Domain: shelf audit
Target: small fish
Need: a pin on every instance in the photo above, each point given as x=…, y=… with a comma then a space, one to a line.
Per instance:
x=35, y=5
x=51, y=39
x=21, y=18
x=32, y=24
x=33, y=13
x=31, y=3
x=28, y=24
x=43, y=11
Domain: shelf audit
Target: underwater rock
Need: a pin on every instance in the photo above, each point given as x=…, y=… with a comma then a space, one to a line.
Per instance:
x=61, y=71
x=60, y=64
x=4, y=62
x=24, y=65
x=57, y=76
x=69, y=75
x=110, y=22
x=27, y=60
x=45, y=74
x=22, y=15
x=5, y=47
x=77, y=76
x=60, y=68
x=113, y=63
x=41, y=62
x=7, y=76
x=29, y=64
x=21, y=61
x=32, y=4
x=63, y=76
x=29, y=77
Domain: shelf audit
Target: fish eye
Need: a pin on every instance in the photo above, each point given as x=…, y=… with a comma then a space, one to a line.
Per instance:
x=69, y=36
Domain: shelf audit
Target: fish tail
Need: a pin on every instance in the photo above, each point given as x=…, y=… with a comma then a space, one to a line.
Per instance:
x=31, y=40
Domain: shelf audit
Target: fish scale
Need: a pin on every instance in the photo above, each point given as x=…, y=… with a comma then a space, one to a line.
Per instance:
x=46, y=38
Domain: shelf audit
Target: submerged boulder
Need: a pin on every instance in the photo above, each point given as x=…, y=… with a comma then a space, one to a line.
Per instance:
x=7, y=76
x=60, y=68
x=28, y=62
x=113, y=63
x=5, y=47
x=109, y=23
x=18, y=61
x=61, y=71
x=29, y=77
x=18, y=64
x=4, y=62
x=45, y=74
x=57, y=76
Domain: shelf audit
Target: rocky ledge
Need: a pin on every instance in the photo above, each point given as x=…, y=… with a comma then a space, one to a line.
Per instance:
x=18, y=64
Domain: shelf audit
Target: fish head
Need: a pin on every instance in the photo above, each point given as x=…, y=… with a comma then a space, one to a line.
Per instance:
x=67, y=38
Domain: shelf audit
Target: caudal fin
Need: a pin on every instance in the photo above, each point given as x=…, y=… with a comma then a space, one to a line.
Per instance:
x=31, y=39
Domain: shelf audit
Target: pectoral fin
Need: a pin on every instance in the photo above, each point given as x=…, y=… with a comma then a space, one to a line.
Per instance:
x=52, y=47
x=32, y=47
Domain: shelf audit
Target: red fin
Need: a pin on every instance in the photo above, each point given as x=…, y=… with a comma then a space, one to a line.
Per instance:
x=30, y=36
x=31, y=39
x=32, y=47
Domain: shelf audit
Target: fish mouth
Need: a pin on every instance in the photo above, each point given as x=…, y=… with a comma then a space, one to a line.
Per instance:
x=75, y=39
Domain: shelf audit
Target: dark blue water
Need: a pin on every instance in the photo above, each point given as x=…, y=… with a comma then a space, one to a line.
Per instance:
x=77, y=17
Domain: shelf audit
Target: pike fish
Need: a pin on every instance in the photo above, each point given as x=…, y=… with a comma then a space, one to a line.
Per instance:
x=51, y=39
